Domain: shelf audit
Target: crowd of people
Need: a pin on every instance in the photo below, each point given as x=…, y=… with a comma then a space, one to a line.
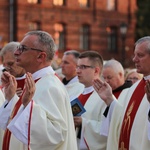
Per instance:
x=37, y=105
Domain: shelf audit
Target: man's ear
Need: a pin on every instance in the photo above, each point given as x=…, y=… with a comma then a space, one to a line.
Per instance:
x=41, y=56
x=97, y=70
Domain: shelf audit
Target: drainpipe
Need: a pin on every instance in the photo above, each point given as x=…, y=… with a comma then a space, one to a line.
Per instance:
x=12, y=20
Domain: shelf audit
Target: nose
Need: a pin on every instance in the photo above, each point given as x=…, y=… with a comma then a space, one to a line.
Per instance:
x=106, y=80
x=16, y=52
x=134, y=59
x=78, y=70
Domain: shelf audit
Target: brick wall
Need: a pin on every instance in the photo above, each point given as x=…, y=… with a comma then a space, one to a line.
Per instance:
x=73, y=17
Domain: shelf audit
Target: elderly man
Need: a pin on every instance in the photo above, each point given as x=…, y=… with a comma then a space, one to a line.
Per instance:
x=10, y=65
x=113, y=74
x=129, y=114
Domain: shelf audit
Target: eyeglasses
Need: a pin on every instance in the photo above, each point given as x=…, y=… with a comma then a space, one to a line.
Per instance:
x=23, y=48
x=82, y=67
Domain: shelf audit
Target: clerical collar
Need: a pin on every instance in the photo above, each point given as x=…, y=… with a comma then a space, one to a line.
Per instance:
x=40, y=73
x=65, y=81
x=73, y=80
x=22, y=77
x=88, y=90
x=127, y=84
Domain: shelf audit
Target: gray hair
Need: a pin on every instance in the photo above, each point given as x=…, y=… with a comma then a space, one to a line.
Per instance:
x=74, y=53
x=144, y=39
x=115, y=65
x=45, y=42
x=10, y=47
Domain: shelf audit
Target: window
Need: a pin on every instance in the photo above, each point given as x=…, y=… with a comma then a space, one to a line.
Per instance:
x=59, y=2
x=83, y=3
x=84, y=37
x=34, y=1
x=34, y=26
x=112, y=39
x=59, y=35
x=111, y=4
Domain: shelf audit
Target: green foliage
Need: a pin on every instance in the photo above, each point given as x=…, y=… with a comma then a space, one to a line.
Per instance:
x=143, y=18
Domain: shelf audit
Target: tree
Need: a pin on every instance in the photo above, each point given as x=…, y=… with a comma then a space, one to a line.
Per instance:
x=143, y=18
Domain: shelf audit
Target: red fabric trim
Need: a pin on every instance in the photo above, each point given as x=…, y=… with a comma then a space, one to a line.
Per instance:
x=7, y=135
x=86, y=144
x=30, y=124
x=58, y=76
x=6, y=140
x=84, y=98
x=130, y=114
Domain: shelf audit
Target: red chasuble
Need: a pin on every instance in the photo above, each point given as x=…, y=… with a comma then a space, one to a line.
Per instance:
x=129, y=116
x=7, y=134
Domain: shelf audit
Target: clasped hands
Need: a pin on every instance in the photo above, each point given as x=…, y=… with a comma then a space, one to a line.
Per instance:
x=9, y=84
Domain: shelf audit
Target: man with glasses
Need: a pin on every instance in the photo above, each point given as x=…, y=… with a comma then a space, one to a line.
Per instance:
x=10, y=65
x=113, y=74
x=89, y=67
x=41, y=119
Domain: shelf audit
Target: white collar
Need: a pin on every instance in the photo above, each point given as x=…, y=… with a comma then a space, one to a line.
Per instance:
x=75, y=79
x=40, y=73
x=23, y=77
x=88, y=90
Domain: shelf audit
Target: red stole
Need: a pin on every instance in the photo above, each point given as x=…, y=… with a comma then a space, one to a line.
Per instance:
x=84, y=98
x=7, y=134
x=130, y=114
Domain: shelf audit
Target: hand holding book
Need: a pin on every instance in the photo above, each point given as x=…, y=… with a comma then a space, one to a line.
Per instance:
x=77, y=107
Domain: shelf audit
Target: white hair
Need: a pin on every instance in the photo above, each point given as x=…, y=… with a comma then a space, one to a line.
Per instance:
x=115, y=65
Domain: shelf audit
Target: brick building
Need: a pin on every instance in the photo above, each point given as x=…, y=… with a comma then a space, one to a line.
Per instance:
x=74, y=24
